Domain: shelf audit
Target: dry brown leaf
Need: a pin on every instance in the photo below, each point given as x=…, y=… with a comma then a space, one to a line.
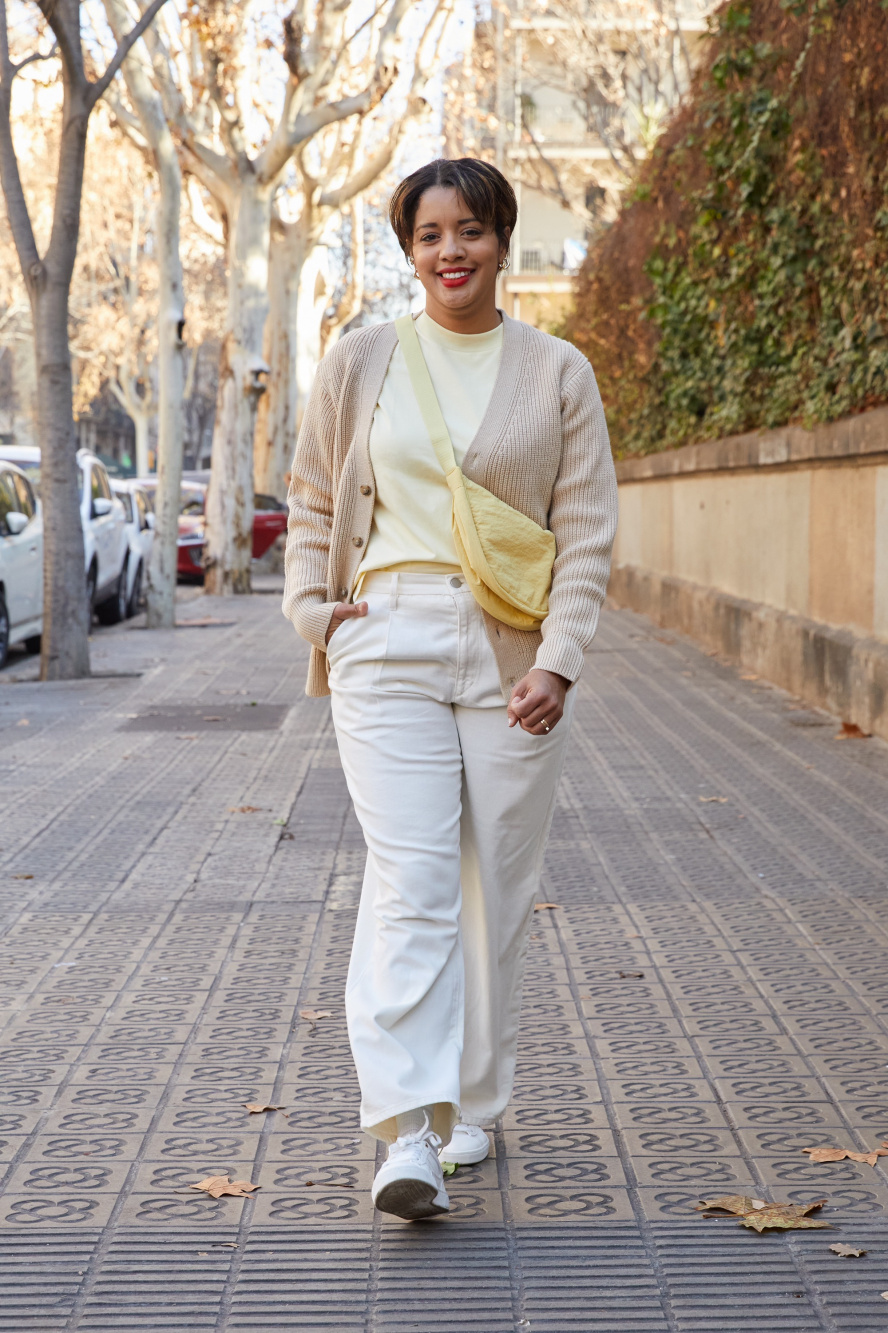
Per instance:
x=255, y=1108
x=761, y=1216
x=708, y=800
x=244, y=809
x=624, y=975
x=847, y=1252
x=827, y=1154
x=543, y=907
x=785, y=1217
x=738, y=1204
x=312, y=1015
x=851, y=732
x=749, y=677
x=216, y=1186
x=23, y=877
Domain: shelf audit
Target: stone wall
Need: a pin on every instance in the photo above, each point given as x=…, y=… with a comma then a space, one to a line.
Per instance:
x=772, y=548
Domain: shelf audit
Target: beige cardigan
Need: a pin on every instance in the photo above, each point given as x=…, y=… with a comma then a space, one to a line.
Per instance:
x=542, y=447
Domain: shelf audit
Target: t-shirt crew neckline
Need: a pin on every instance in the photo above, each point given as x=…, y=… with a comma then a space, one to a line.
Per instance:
x=458, y=342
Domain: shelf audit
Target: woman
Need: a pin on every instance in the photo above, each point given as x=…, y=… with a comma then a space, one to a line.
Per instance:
x=451, y=725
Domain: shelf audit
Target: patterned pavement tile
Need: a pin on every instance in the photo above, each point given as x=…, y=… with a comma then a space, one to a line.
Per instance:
x=179, y=876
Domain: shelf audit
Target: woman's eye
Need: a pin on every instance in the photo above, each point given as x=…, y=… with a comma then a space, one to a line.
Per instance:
x=431, y=236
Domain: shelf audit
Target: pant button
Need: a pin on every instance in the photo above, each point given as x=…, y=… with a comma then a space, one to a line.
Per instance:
x=456, y=583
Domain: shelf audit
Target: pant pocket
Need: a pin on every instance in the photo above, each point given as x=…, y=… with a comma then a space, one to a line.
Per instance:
x=421, y=648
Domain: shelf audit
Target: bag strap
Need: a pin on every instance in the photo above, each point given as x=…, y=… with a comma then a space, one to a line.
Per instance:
x=424, y=391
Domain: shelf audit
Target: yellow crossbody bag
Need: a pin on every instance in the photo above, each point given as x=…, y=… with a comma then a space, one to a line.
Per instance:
x=506, y=557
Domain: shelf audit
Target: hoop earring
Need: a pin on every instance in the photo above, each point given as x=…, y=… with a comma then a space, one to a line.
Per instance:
x=504, y=263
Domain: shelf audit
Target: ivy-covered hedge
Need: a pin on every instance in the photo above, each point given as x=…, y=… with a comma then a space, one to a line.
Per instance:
x=745, y=282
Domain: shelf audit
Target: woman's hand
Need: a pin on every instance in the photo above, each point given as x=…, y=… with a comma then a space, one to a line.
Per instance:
x=343, y=611
x=537, y=701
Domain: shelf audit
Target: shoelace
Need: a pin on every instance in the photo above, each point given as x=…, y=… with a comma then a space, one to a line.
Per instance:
x=420, y=1138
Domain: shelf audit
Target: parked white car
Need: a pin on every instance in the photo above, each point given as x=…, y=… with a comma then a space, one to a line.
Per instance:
x=21, y=562
x=105, y=540
x=140, y=535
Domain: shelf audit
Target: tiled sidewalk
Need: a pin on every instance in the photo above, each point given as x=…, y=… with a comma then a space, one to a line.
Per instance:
x=179, y=872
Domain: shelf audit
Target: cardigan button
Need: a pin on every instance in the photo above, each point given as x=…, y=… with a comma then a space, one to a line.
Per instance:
x=343, y=593
x=357, y=541
x=366, y=490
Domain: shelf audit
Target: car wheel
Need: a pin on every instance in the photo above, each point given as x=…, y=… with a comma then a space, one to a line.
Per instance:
x=135, y=600
x=34, y=643
x=114, y=610
x=91, y=581
x=4, y=631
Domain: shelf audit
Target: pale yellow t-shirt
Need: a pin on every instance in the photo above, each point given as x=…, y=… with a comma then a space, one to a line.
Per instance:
x=411, y=517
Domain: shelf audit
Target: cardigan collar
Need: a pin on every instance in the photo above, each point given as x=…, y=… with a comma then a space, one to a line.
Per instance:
x=499, y=409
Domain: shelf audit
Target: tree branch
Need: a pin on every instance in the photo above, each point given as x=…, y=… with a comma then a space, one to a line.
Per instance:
x=36, y=55
x=16, y=203
x=127, y=43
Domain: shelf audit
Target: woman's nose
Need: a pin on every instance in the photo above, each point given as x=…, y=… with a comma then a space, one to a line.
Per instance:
x=452, y=247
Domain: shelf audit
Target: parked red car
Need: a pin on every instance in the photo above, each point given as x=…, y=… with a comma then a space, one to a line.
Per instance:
x=269, y=521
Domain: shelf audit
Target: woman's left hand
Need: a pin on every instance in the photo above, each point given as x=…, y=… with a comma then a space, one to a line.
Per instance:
x=537, y=701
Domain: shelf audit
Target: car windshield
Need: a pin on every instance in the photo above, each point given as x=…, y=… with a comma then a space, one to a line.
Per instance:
x=191, y=503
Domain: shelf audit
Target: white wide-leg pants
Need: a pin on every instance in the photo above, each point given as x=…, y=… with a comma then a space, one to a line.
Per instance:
x=455, y=807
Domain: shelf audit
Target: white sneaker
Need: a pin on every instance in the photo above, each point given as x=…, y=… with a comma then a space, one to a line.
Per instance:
x=468, y=1144
x=410, y=1182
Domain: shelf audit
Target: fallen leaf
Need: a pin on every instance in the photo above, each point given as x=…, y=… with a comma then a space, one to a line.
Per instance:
x=280, y=821
x=707, y=800
x=288, y=837
x=828, y=1154
x=216, y=1186
x=312, y=1015
x=449, y=1168
x=847, y=1252
x=24, y=723
x=255, y=1108
x=749, y=677
x=851, y=732
x=244, y=809
x=542, y=907
x=630, y=974
x=23, y=877
x=212, y=717
x=738, y=1204
x=761, y=1216
x=225, y=1245
x=884, y=1295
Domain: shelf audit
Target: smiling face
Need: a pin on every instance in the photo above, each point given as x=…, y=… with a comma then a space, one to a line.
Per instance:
x=457, y=260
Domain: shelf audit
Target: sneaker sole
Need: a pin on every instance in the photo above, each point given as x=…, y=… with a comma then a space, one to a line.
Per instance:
x=410, y=1199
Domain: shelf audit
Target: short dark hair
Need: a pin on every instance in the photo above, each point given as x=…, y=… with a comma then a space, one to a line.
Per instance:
x=485, y=189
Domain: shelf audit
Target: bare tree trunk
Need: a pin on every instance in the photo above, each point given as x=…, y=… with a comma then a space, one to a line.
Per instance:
x=161, y=584
x=65, y=652
x=66, y=617
x=276, y=420
x=242, y=372
x=161, y=591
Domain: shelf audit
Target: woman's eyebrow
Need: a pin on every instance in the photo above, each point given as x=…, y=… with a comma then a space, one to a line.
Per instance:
x=421, y=226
